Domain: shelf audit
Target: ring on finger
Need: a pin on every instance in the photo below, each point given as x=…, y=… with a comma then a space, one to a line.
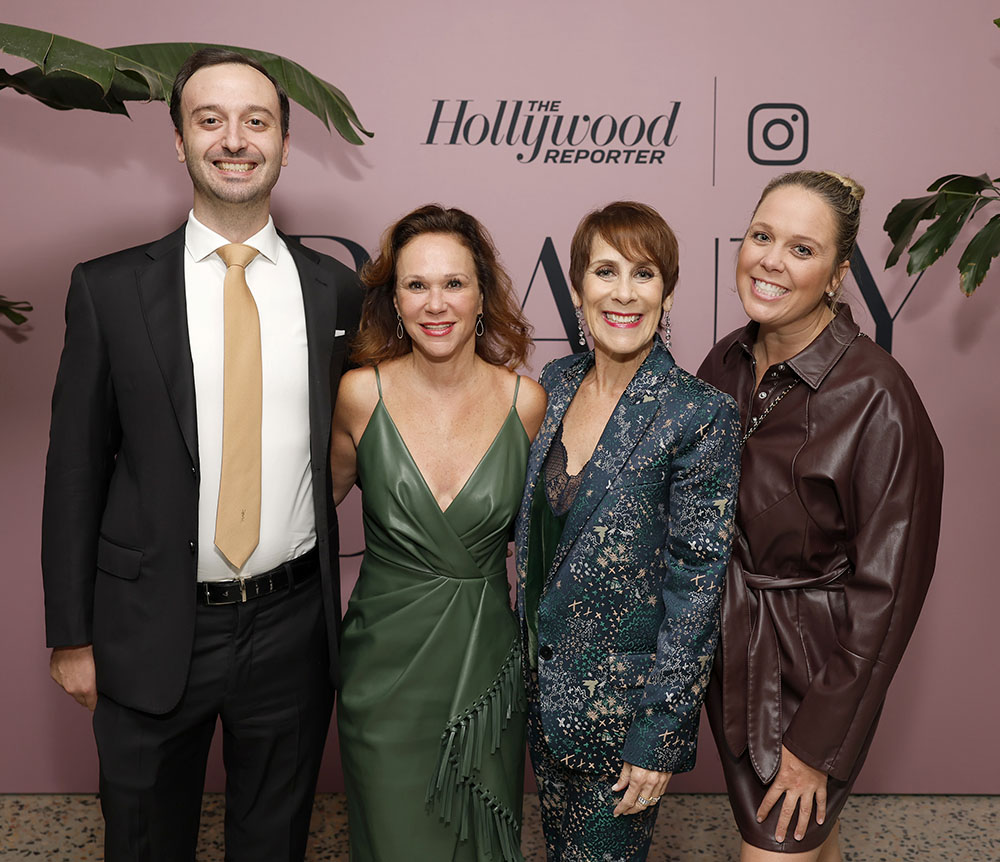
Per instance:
x=653, y=800
x=642, y=800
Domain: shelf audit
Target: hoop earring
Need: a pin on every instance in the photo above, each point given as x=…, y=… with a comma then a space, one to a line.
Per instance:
x=666, y=329
x=480, y=326
x=399, y=327
x=579, y=326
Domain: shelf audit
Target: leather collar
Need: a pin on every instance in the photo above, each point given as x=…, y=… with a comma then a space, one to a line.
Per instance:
x=814, y=361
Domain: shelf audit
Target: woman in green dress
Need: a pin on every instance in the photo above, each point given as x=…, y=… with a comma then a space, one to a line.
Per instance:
x=435, y=428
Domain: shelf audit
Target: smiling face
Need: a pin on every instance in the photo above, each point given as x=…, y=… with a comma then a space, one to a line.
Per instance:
x=232, y=142
x=622, y=301
x=788, y=262
x=437, y=295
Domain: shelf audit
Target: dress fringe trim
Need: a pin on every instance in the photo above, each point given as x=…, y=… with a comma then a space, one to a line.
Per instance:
x=453, y=791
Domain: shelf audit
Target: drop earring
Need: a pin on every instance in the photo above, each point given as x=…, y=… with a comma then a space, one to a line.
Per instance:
x=579, y=326
x=399, y=327
x=666, y=329
x=480, y=326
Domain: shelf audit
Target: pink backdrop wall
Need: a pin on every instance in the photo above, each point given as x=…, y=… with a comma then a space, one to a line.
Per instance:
x=896, y=93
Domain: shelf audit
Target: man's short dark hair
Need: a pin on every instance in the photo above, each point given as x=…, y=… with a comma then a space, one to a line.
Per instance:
x=216, y=57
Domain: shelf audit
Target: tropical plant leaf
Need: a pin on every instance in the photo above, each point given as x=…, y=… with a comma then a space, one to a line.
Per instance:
x=983, y=202
x=953, y=212
x=316, y=95
x=66, y=90
x=978, y=254
x=12, y=309
x=961, y=184
x=902, y=221
x=70, y=74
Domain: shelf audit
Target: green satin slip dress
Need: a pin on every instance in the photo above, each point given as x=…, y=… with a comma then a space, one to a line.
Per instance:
x=431, y=712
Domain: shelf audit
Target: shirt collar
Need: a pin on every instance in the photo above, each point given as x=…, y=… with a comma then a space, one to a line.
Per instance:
x=201, y=241
x=815, y=360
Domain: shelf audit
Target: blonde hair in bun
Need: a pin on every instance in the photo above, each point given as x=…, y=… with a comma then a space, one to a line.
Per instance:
x=855, y=188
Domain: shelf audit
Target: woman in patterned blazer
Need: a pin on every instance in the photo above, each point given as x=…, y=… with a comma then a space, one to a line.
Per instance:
x=622, y=541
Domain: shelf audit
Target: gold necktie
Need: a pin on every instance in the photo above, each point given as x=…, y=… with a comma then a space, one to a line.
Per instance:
x=237, y=520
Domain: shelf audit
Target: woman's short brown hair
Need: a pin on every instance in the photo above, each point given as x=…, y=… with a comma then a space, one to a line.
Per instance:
x=636, y=230
x=506, y=339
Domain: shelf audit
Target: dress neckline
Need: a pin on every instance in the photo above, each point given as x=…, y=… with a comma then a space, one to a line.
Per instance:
x=416, y=467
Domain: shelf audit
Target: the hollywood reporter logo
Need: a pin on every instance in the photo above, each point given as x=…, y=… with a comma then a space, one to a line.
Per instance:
x=543, y=132
x=778, y=133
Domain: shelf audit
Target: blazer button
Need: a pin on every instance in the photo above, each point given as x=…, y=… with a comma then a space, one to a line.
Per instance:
x=545, y=652
x=192, y=547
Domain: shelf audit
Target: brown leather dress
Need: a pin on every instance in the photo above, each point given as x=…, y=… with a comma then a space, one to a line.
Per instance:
x=838, y=521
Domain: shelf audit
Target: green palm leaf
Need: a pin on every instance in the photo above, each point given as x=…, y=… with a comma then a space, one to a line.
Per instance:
x=69, y=74
x=11, y=309
x=956, y=199
x=978, y=255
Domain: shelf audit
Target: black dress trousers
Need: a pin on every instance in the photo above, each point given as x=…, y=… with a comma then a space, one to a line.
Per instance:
x=260, y=666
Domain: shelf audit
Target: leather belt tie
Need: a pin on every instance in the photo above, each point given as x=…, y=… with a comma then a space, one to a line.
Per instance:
x=751, y=682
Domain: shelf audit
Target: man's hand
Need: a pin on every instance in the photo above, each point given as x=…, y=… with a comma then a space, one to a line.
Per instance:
x=73, y=669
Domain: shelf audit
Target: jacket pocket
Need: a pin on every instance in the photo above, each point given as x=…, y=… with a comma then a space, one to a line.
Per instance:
x=630, y=669
x=117, y=560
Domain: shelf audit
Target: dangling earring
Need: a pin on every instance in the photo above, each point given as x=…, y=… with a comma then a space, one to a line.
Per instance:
x=666, y=329
x=579, y=326
x=480, y=326
x=399, y=327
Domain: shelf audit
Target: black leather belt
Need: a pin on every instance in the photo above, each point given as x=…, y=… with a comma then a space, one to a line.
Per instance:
x=238, y=590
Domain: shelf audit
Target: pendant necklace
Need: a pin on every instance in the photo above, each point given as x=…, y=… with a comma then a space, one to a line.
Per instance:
x=755, y=423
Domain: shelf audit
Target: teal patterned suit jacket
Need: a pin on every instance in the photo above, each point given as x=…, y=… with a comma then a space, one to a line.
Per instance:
x=629, y=612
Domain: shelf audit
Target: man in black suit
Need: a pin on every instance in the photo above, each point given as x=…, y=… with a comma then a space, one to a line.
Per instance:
x=158, y=620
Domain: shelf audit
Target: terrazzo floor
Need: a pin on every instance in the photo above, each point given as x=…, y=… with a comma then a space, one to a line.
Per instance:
x=68, y=828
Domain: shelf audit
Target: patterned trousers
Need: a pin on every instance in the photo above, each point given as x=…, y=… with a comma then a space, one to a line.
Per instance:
x=577, y=807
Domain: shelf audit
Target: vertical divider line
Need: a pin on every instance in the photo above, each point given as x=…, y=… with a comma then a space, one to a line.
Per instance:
x=715, y=106
x=715, y=310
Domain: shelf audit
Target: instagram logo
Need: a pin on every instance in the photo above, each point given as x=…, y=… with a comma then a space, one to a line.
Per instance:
x=778, y=133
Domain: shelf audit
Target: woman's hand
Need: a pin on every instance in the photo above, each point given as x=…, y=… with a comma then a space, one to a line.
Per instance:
x=642, y=783
x=802, y=785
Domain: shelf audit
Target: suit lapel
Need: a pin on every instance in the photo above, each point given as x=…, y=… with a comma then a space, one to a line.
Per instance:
x=626, y=427
x=560, y=393
x=164, y=306
x=560, y=399
x=319, y=300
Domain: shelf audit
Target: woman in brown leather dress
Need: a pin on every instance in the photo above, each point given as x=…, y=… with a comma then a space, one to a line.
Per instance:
x=837, y=525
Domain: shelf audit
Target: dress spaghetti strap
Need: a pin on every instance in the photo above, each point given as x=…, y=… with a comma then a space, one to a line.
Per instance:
x=378, y=383
x=517, y=385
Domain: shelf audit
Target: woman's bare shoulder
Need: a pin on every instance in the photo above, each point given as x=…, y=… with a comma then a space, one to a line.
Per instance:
x=356, y=400
x=531, y=404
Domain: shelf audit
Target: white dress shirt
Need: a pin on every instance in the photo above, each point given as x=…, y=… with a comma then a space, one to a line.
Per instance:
x=287, y=517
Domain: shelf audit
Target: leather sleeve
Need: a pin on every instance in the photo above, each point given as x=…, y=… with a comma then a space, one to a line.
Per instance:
x=83, y=441
x=892, y=508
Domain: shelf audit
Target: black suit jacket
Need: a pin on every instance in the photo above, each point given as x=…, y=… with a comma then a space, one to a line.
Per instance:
x=120, y=513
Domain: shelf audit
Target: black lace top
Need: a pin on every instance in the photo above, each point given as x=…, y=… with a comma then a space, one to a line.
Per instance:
x=560, y=487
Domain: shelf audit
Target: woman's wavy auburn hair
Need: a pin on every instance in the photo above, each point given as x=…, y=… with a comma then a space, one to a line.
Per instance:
x=506, y=339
